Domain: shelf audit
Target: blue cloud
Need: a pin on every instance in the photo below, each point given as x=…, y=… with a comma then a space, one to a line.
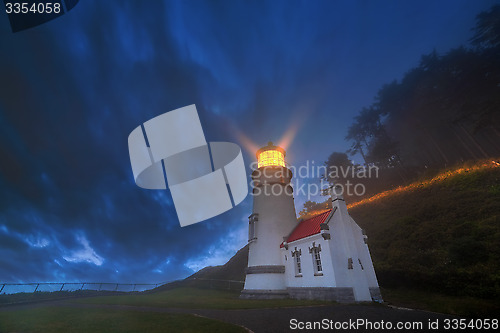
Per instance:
x=74, y=88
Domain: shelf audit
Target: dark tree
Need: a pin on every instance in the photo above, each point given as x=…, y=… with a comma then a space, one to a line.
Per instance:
x=487, y=29
x=339, y=168
x=445, y=110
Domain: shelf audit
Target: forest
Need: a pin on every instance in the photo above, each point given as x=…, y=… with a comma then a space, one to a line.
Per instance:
x=443, y=112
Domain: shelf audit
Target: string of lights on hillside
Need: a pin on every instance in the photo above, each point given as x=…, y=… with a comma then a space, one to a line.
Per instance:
x=417, y=185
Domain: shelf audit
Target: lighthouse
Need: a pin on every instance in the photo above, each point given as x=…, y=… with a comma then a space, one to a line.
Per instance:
x=323, y=257
x=272, y=219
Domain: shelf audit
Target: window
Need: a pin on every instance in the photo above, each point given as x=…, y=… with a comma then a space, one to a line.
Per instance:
x=252, y=235
x=316, y=257
x=251, y=231
x=298, y=267
x=317, y=261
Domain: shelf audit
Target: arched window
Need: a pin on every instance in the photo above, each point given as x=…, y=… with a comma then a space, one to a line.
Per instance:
x=298, y=267
x=316, y=257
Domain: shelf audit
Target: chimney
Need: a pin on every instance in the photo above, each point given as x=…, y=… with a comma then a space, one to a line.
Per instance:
x=336, y=193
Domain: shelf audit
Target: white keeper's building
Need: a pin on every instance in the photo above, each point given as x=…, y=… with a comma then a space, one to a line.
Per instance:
x=323, y=257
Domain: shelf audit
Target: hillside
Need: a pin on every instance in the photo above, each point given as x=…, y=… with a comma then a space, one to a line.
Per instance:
x=443, y=235
x=234, y=269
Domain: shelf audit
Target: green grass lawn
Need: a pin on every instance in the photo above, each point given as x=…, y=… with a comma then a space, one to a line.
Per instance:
x=74, y=320
x=193, y=298
x=56, y=318
x=431, y=301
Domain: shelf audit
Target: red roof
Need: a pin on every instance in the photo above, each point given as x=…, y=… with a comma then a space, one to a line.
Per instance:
x=308, y=227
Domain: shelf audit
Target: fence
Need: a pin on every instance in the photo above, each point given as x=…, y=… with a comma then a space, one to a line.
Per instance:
x=12, y=288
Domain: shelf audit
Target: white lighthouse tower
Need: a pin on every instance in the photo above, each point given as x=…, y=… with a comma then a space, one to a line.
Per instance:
x=273, y=217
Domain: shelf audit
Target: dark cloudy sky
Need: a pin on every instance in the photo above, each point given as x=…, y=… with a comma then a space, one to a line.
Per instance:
x=74, y=88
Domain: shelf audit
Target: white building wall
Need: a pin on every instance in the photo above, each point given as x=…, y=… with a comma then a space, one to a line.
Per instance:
x=345, y=234
x=276, y=214
x=265, y=281
x=273, y=202
x=364, y=256
x=308, y=278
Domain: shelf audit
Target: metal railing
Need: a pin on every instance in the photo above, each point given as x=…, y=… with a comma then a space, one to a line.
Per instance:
x=13, y=288
x=73, y=286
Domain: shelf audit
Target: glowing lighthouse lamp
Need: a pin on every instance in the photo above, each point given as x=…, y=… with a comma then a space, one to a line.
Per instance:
x=271, y=156
x=273, y=217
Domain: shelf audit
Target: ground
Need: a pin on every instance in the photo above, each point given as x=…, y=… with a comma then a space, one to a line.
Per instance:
x=172, y=312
